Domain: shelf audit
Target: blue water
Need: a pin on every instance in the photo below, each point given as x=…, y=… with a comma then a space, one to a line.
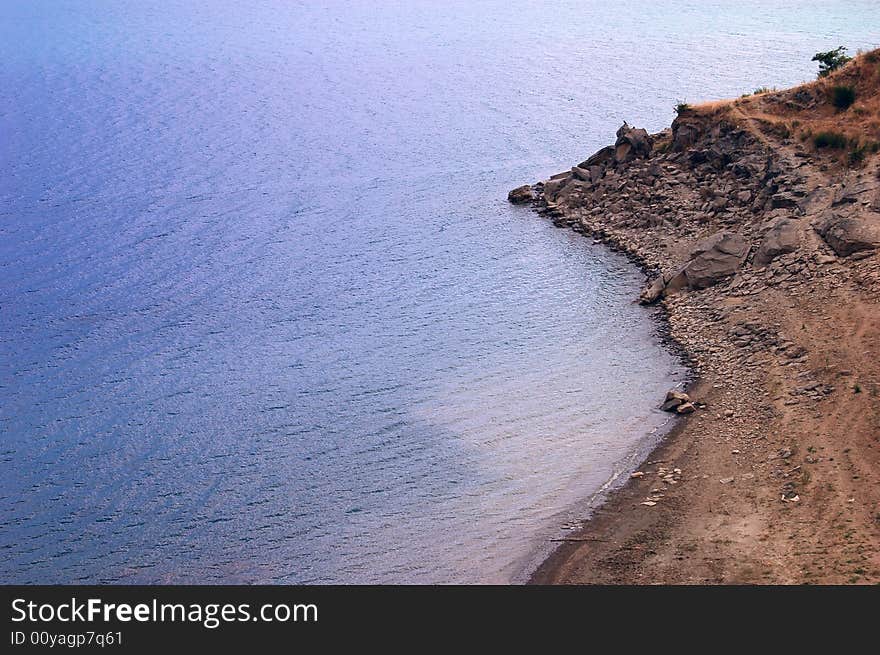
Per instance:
x=265, y=315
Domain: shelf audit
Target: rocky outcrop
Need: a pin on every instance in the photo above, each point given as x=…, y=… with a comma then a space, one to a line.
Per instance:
x=521, y=195
x=632, y=143
x=862, y=189
x=684, y=135
x=705, y=194
x=850, y=234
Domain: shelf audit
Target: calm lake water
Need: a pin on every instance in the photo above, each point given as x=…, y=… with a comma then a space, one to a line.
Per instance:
x=265, y=315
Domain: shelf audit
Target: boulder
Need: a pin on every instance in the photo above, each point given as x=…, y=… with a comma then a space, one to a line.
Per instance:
x=574, y=187
x=674, y=394
x=582, y=173
x=715, y=258
x=521, y=194
x=784, y=200
x=782, y=237
x=664, y=285
x=685, y=408
x=653, y=292
x=677, y=280
x=632, y=143
x=602, y=158
x=554, y=185
x=674, y=399
x=850, y=234
x=712, y=259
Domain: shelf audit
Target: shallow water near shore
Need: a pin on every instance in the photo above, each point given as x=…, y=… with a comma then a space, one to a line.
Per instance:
x=265, y=314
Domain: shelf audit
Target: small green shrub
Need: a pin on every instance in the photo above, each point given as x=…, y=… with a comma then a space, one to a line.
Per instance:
x=858, y=150
x=829, y=140
x=681, y=108
x=857, y=155
x=763, y=89
x=842, y=97
x=830, y=61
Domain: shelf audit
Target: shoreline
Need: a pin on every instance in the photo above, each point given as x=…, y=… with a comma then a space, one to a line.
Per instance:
x=763, y=255
x=577, y=516
x=601, y=518
x=603, y=505
x=546, y=559
x=606, y=508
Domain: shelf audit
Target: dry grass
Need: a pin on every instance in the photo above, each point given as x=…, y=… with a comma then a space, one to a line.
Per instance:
x=804, y=111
